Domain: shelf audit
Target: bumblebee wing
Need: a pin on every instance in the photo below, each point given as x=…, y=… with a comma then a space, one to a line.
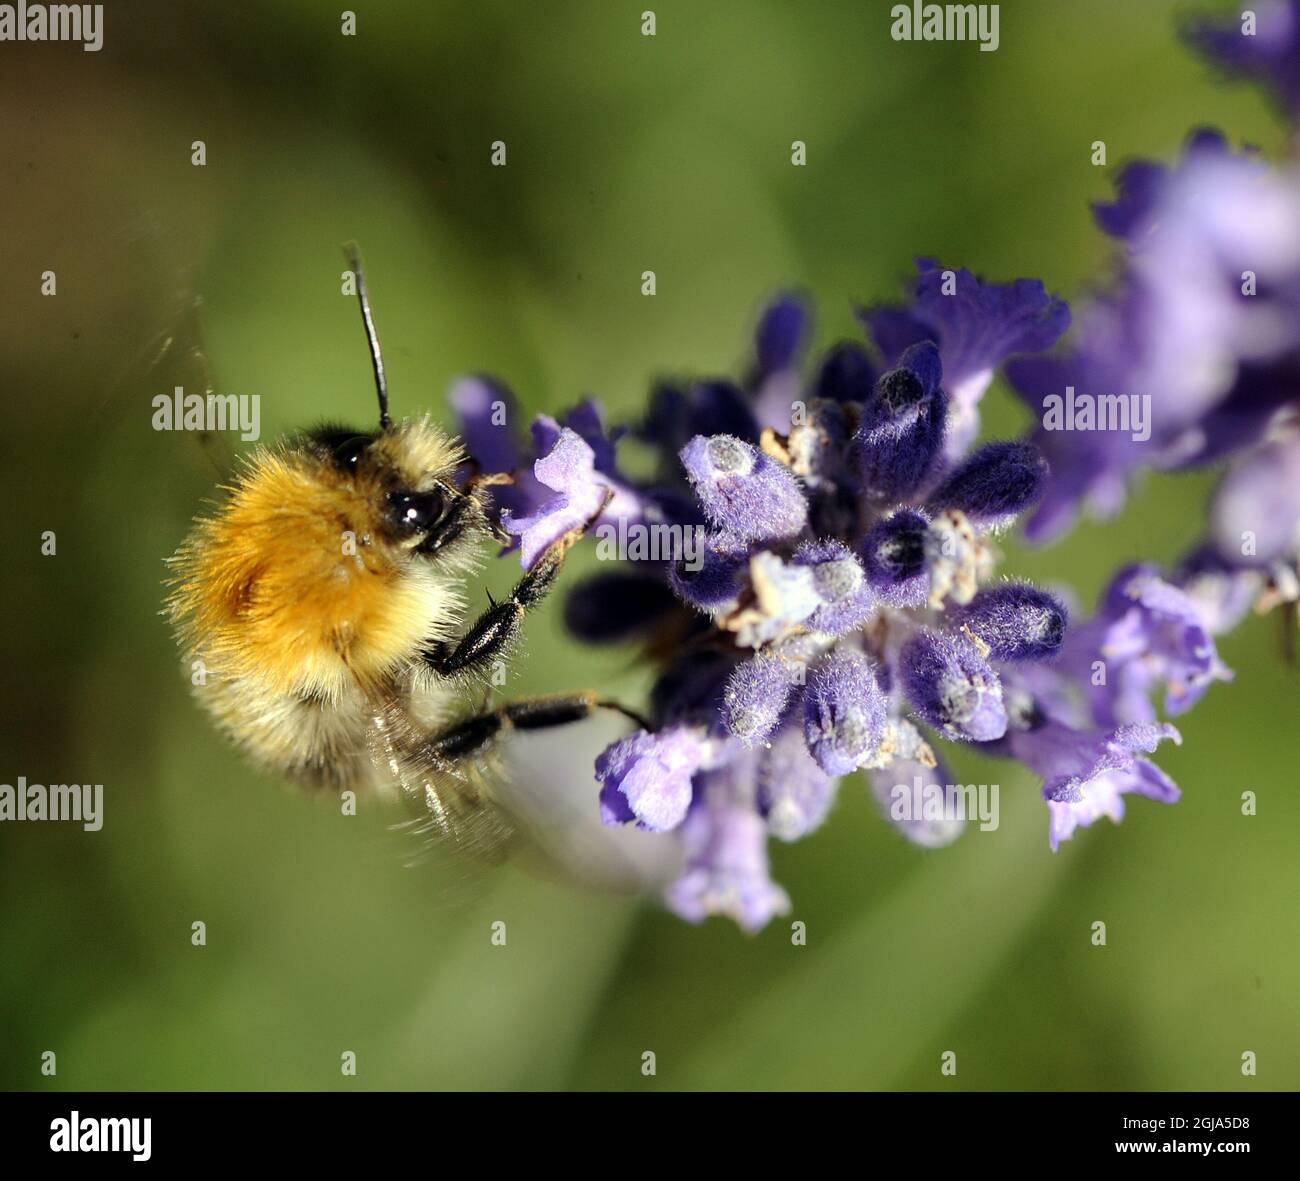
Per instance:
x=451, y=801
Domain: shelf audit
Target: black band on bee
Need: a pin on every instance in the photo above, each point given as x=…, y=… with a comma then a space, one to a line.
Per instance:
x=342, y=445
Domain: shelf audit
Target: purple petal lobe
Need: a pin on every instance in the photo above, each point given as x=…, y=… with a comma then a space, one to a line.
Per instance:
x=647, y=778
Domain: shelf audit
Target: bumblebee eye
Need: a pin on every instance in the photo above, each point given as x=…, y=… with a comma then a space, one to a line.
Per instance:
x=348, y=453
x=416, y=512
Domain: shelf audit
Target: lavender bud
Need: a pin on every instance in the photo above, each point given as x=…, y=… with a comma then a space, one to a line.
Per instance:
x=781, y=334
x=717, y=576
x=840, y=585
x=609, y=608
x=755, y=697
x=844, y=711
x=894, y=554
x=993, y=484
x=951, y=686
x=920, y=801
x=902, y=426
x=743, y=490
x=847, y=374
x=1016, y=621
x=794, y=793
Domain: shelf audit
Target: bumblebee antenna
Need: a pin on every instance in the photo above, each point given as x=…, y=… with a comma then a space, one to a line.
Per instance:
x=353, y=253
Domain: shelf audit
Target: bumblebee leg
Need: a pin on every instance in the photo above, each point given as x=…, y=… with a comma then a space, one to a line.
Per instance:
x=497, y=626
x=528, y=713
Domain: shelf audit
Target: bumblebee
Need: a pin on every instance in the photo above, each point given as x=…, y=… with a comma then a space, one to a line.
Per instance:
x=324, y=597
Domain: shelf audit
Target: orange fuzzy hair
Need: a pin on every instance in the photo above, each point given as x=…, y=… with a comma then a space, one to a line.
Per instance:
x=292, y=586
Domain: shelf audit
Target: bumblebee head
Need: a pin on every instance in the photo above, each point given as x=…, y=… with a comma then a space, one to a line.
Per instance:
x=405, y=479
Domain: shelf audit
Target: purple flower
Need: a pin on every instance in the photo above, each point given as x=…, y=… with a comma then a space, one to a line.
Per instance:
x=714, y=580
x=487, y=413
x=1198, y=340
x=1269, y=54
x=1146, y=633
x=782, y=333
x=794, y=793
x=976, y=325
x=952, y=687
x=1255, y=514
x=1088, y=772
x=894, y=553
x=846, y=577
x=756, y=697
x=574, y=477
x=994, y=484
x=725, y=845
x=1015, y=621
x=1222, y=590
x=844, y=598
x=743, y=490
x=647, y=778
x=844, y=711
x=901, y=433
x=847, y=374
x=921, y=802
x=568, y=469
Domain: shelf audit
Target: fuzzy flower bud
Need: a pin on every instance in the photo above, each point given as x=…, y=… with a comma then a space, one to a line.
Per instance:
x=951, y=686
x=743, y=490
x=995, y=483
x=756, y=695
x=894, y=554
x=902, y=426
x=1015, y=621
x=844, y=711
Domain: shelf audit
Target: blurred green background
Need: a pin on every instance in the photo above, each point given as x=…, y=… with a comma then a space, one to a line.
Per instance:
x=625, y=153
